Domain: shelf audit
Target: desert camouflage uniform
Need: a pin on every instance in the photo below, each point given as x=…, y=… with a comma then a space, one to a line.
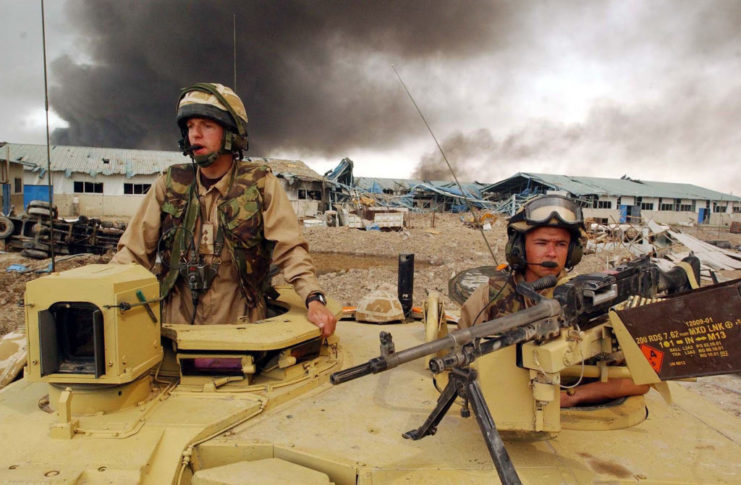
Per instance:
x=230, y=297
x=506, y=300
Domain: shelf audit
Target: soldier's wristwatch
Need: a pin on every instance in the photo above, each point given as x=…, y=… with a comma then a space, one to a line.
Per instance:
x=316, y=297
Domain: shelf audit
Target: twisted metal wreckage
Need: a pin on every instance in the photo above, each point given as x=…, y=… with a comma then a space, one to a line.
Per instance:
x=416, y=196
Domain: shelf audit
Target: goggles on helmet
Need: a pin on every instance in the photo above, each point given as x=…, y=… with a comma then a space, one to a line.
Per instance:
x=543, y=210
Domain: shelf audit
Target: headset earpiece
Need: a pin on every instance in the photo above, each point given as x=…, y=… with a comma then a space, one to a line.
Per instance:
x=515, y=250
x=576, y=251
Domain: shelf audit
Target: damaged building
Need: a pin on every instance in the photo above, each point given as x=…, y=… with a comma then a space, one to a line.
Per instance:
x=623, y=200
x=110, y=182
x=421, y=195
x=305, y=187
x=107, y=182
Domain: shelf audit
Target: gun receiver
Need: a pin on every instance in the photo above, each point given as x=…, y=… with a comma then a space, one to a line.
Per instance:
x=544, y=310
x=580, y=300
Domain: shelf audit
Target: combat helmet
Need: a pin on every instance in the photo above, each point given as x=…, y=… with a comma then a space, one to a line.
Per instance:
x=218, y=103
x=545, y=211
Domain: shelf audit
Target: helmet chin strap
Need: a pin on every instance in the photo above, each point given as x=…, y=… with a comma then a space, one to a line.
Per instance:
x=206, y=160
x=209, y=159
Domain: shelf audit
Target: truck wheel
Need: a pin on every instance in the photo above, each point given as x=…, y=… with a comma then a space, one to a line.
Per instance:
x=39, y=203
x=6, y=227
x=38, y=211
x=34, y=254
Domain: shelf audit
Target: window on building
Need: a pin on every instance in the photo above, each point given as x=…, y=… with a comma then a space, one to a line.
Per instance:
x=666, y=207
x=647, y=206
x=88, y=187
x=301, y=194
x=17, y=185
x=685, y=207
x=737, y=209
x=719, y=209
x=314, y=194
x=136, y=189
x=604, y=204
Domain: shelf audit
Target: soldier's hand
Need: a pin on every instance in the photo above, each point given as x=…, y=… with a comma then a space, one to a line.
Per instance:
x=320, y=316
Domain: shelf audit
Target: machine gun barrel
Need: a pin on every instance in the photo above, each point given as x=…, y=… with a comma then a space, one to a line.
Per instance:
x=543, y=310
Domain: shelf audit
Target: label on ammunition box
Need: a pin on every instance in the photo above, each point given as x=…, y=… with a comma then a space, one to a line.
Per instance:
x=689, y=335
x=654, y=356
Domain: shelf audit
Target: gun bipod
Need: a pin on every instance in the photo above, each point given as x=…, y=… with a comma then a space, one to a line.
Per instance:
x=464, y=382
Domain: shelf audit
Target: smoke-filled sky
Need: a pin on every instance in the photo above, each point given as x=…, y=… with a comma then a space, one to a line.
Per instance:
x=651, y=89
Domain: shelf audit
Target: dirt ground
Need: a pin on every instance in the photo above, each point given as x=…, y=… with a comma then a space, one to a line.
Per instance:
x=13, y=284
x=368, y=259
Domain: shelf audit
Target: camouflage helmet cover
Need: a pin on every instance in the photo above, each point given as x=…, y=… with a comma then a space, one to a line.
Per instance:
x=218, y=103
x=195, y=100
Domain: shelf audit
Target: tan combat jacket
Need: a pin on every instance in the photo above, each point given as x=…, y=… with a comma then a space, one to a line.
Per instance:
x=223, y=302
x=506, y=300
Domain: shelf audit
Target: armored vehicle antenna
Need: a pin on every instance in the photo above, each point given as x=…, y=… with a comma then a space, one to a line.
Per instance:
x=442, y=152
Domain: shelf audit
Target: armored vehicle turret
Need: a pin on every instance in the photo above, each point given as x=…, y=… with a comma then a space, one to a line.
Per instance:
x=111, y=394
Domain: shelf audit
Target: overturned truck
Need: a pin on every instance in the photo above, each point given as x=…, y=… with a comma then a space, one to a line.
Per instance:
x=33, y=231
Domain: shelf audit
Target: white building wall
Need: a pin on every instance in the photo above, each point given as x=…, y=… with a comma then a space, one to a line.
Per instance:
x=723, y=219
x=610, y=198
x=612, y=215
x=627, y=200
x=664, y=217
x=650, y=200
x=302, y=207
x=99, y=205
x=669, y=217
x=113, y=203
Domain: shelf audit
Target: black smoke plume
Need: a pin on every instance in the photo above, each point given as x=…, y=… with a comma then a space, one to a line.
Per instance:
x=314, y=76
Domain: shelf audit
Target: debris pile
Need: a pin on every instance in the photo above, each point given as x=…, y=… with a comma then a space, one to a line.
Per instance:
x=362, y=214
x=484, y=220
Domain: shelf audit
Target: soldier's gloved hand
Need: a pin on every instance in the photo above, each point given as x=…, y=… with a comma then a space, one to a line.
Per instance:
x=320, y=316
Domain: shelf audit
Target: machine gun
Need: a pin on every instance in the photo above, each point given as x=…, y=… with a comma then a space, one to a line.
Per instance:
x=580, y=303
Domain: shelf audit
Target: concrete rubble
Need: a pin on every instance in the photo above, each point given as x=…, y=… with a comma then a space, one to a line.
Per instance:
x=667, y=245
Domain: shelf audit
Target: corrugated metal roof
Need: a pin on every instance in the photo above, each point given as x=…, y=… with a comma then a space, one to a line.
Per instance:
x=91, y=160
x=288, y=168
x=116, y=161
x=582, y=186
x=401, y=185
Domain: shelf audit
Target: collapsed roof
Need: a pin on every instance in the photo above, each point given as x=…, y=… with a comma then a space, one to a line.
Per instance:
x=95, y=161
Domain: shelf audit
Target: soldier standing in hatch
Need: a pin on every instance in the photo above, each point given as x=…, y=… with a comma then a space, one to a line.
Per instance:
x=218, y=222
x=544, y=238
